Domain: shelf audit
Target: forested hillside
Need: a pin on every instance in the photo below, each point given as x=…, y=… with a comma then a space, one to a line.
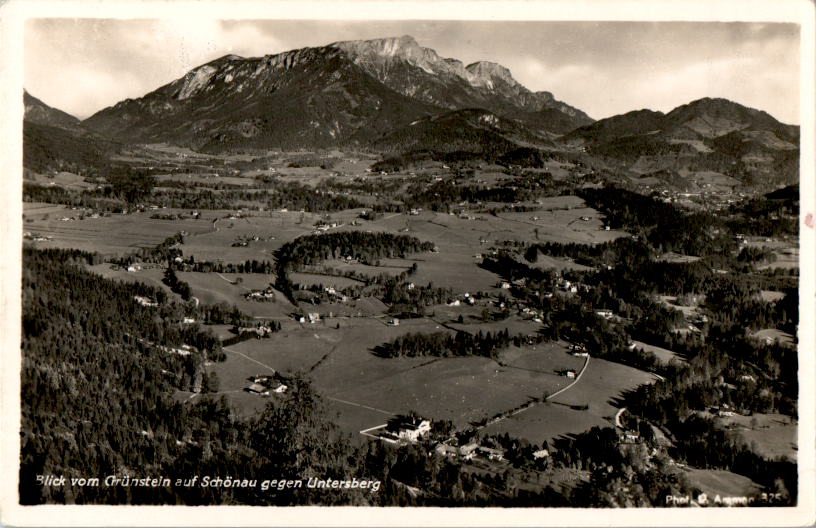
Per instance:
x=100, y=400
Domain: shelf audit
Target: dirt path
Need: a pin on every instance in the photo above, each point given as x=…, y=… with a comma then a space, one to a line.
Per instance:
x=577, y=379
x=618, y=416
x=548, y=398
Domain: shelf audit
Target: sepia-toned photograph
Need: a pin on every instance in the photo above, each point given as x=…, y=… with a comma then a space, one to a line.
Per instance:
x=506, y=264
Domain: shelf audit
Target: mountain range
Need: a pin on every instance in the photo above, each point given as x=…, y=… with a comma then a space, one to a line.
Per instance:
x=392, y=95
x=344, y=93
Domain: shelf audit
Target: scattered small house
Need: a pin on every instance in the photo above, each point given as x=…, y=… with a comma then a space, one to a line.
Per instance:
x=257, y=388
x=393, y=322
x=568, y=373
x=630, y=437
x=468, y=451
x=541, y=453
x=504, y=285
x=410, y=429
x=144, y=301
x=313, y=317
x=188, y=320
x=606, y=314
x=491, y=453
x=446, y=450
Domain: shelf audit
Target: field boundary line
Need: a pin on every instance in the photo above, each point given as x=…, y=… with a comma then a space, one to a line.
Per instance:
x=359, y=405
x=249, y=358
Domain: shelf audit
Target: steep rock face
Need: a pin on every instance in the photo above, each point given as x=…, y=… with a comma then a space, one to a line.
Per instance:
x=418, y=72
x=346, y=92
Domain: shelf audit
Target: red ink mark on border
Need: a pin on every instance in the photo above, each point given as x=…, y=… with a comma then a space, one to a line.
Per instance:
x=809, y=220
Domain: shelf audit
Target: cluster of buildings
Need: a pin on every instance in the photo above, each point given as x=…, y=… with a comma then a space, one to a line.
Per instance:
x=322, y=227
x=311, y=318
x=35, y=237
x=266, y=295
x=144, y=301
x=266, y=384
x=260, y=331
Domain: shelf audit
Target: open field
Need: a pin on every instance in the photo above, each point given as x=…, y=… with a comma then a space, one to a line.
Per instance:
x=772, y=334
x=274, y=228
x=214, y=288
x=663, y=354
x=771, y=296
x=677, y=258
x=771, y=435
x=787, y=258
x=715, y=482
x=66, y=180
x=310, y=279
x=335, y=358
x=669, y=301
x=513, y=324
x=387, y=266
x=458, y=389
x=557, y=263
x=462, y=390
x=115, y=234
x=599, y=385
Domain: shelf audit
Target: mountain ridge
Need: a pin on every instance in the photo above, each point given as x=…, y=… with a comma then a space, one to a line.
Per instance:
x=232, y=97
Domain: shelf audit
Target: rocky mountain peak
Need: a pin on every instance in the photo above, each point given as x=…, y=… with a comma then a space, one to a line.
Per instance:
x=402, y=46
x=484, y=73
x=377, y=53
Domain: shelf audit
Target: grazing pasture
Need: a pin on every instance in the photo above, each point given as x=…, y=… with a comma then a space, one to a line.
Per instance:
x=724, y=483
x=463, y=389
x=663, y=354
x=214, y=288
x=771, y=335
x=557, y=263
x=600, y=384
x=66, y=180
x=771, y=435
x=116, y=234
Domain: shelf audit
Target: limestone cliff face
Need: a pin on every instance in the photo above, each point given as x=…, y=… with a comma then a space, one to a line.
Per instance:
x=345, y=92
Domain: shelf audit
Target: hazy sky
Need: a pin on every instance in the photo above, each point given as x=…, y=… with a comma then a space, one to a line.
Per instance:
x=603, y=68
